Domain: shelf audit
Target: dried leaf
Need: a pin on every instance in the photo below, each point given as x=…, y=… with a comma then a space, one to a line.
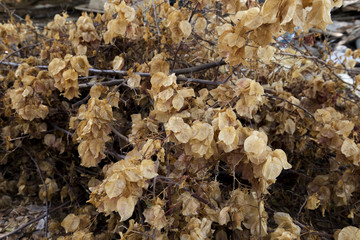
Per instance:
x=118, y=63
x=115, y=186
x=185, y=27
x=70, y=223
x=147, y=169
x=349, y=233
x=125, y=207
x=155, y=216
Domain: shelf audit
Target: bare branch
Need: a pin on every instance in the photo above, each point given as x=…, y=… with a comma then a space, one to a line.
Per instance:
x=305, y=110
x=34, y=220
x=199, y=67
x=119, y=134
x=105, y=83
x=45, y=189
x=124, y=73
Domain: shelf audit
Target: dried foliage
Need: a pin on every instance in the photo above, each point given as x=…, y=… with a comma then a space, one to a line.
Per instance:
x=193, y=121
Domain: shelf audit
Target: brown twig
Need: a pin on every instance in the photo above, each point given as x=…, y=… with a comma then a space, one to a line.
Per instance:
x=105, y=83
x=25, y=47
x=11, y=13
x=119, y=81
x=199, y=67
x=34, y=220
x=329, y=236
x=115, y=155
x=175, y=57
x=156, y=18
x=155, y=178
x=125, y=73
x=45, y=189
x=188, y=190
x=301, y=208
x=316, y=59
x=119, y=134
x=305, y=110
x=56, y=127
x=193, y=11
x=82, y=101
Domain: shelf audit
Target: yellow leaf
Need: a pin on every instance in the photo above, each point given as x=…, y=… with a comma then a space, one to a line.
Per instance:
x=178, y=102
x=200, y=25
x=319, y=16
x=147, y=169
x=349, y=148
x=224, y=217
x=201, y=130
x=271, y=168
x=190, y=205
x=80, y=64
x=313, y=202
x=227, y=135
x=349, y=233
x=249, y=18
x=255, y=145
x=155, y=216
x=269, y=11
x=118, y=63
x=70, y=223
x=175, y=124
x=280, y=154
x=125, y=207
x=134, y=80
x=166, y=94
x=115, y=186
x=184, y=135
x=55, y=66
x=185, y=27
x=266, y=53
x=290, y=126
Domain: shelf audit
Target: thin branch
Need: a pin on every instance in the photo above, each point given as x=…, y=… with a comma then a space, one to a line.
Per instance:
x=193, y=11
x=301, y=208
x=124, y=73
x=12, y=64
x=119, y=134
x=119, y=81
x=202, y=39
x=25, y=47
x=45, y=189
x=188, y=190
x=305, y=110
x=175, y=57
x=348, y=99
x=181, y=43
x=201, y=81
x=115, y=155
x=329, y=236
x=82, y=101
x=34, y=220
x=156, y=18
x=104, y=83
x=199, y=67
x=259, y=213
x=316, y=59
x=56, y=127
x=12, y=13
x=154, y=183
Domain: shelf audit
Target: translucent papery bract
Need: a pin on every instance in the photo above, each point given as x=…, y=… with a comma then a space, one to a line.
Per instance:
x=123, y=185
x=66, y=71
x=28, y=100
x=93, y=130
